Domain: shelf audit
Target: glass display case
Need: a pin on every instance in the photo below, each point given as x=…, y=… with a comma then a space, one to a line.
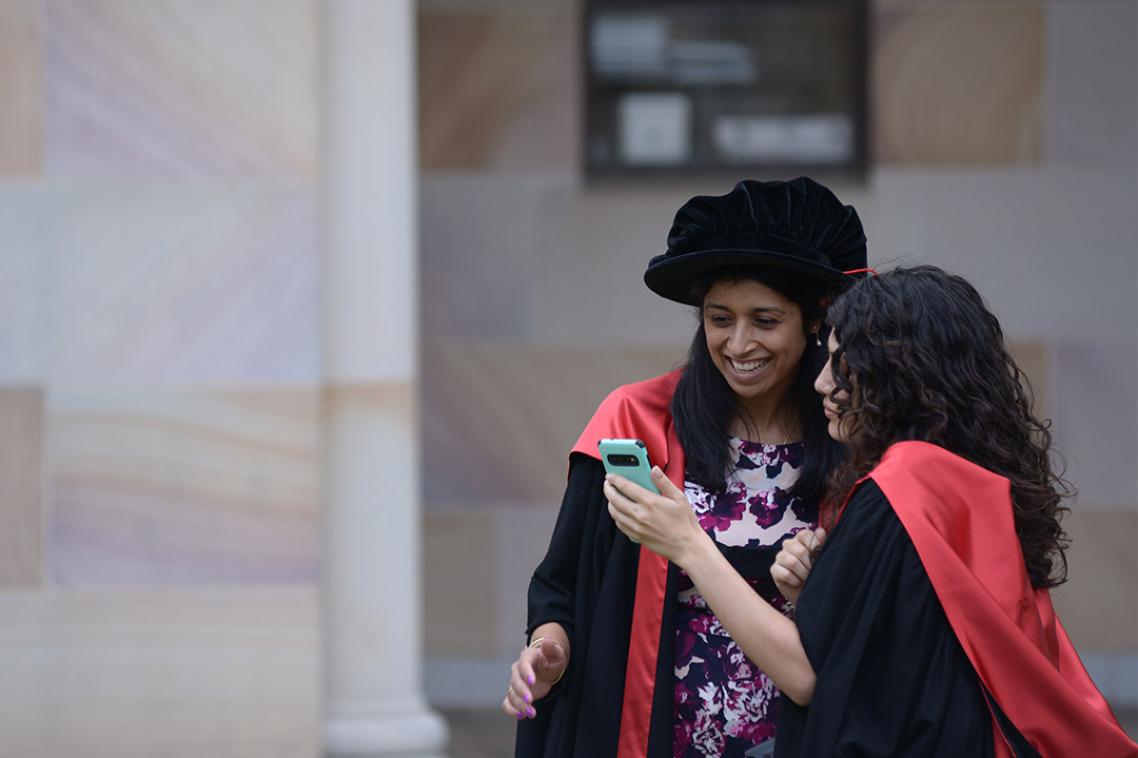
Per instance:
x=759, y=87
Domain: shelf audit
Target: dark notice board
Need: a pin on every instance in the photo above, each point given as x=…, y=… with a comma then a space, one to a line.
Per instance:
x=724, y=87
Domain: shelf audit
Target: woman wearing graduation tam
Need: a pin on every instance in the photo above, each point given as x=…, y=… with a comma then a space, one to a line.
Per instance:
x=623, y=656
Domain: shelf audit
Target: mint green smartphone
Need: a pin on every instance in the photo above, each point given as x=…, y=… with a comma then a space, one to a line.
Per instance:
x=628, y=458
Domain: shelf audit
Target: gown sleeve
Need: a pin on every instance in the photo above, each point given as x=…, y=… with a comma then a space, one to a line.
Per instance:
x=892, y=680
x=564, y=589
x=586, y=583
x=553, y=587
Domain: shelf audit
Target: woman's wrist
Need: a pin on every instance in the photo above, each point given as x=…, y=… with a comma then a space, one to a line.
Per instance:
x=539, y=641
x=695, y=552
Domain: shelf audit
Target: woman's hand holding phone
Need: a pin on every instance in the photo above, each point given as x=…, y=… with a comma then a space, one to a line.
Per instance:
x=664, y=523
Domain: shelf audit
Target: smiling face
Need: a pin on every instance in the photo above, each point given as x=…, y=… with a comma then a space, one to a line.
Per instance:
x=838, y=427
x=756, y=339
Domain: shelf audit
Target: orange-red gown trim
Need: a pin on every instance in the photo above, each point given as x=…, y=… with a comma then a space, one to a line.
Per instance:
x=959, y=517
x=641, y=411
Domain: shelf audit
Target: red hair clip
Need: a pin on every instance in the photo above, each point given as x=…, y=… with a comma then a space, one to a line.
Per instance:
x=853, y=271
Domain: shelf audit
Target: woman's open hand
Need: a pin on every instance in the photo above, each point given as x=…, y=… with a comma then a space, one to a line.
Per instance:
x=532, y=676
x=795, y=561
x=664, y=523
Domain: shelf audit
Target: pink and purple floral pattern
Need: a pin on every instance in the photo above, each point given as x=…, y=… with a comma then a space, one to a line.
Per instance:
x=724, y=705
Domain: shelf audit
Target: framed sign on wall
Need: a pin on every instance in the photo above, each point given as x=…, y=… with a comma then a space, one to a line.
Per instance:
x=724, y=86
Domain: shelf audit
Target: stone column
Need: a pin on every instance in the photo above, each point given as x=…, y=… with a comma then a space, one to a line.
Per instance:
x=372, y=610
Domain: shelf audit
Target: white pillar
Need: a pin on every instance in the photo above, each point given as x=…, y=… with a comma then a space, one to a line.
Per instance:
x=372, y=566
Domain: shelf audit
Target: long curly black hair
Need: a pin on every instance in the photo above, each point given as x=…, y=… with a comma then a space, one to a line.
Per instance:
x=920, y=357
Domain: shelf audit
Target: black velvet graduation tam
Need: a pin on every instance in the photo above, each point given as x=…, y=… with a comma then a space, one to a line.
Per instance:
x=798, y=225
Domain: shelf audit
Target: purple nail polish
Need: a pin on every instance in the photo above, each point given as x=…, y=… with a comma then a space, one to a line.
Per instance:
x=530, y=679
x=531, y=712
x=526, y=697
x=519, y=715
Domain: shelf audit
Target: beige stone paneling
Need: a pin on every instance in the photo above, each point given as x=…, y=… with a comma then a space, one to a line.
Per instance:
x=1099, y=604
x=166, y=88
x=174, y=673
x=588, y=282
x=497, y=89
x=522, y=535
x=903, y=5
x=499, y=420
x=1032, y=359
x=1096, y=418
x=19, y=88
x=880, y=5
x=152, y=289
x=480, y=236
x=477, y=566
x=561, y=7
x=25, y=216
x=21, y=495
x=174, y=489
x=958, y=85
x=1092, y=63
x=1051, y=249
x=459, y=586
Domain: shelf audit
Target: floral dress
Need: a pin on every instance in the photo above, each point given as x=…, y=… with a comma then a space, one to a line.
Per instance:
x=724, y=705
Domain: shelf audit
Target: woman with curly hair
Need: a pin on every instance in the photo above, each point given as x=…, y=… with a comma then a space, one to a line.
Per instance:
x=924, y=626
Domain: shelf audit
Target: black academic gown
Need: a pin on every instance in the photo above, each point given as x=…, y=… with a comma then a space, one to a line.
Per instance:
x=586, y=583
x=892, y=679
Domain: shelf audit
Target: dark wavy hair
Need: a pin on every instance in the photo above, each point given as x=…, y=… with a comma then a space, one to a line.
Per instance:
x=922, y=358
x=704, y=405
